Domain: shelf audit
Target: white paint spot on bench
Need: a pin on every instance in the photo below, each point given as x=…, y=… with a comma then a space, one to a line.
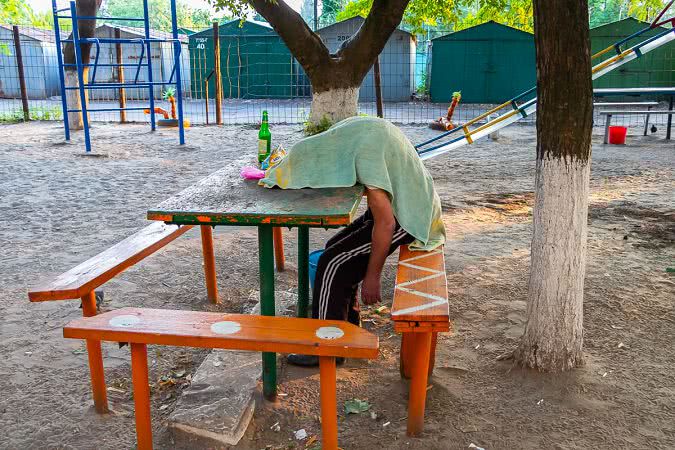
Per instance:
x=124, y=321
x=329, y=333
x=225, y=327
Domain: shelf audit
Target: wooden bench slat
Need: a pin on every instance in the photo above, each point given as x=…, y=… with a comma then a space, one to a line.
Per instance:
x=92, y=273
x=421, y=292
x=256, y=333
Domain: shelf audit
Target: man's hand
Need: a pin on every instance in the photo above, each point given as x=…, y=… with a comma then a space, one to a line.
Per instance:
x=370, y=290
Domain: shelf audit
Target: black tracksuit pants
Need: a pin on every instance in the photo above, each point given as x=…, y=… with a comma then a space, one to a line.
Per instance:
x=343, y=266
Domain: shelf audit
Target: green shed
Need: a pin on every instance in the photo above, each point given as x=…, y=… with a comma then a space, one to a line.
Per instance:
x=254, y=62
x=489, y=63
x=654, y=69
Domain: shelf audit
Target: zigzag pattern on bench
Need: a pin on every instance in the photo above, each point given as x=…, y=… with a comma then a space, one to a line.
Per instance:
x=421, y=293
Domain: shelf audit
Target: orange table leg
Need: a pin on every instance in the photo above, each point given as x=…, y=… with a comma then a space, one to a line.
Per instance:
x=405, y=362
x=279, y=249
x=432, y=353
x=95, y=356
x=139, y=375
x=209, y=263
x=329, y=439
x=418, y=383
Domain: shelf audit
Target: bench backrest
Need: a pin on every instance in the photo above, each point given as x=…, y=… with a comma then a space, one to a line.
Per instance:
x=227, y=331
x=92, y=273
x=421, y=293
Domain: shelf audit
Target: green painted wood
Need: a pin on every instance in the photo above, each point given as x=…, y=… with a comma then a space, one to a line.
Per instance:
x=224, y=198
x=303, y=272
x=266, y=268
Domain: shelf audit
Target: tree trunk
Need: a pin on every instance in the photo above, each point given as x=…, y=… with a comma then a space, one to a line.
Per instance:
x=553, y=338
x=86, y=29
x=334, y=104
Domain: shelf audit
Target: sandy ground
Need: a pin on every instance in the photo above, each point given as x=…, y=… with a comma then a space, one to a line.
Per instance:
x=58, y=208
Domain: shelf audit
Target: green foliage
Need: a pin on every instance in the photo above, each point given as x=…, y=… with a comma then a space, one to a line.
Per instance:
x=423, y=85
x=329, y=11
x=35, y=113
x=322, y=125
x=19, y=12
x=169, y=93
x=160, y=13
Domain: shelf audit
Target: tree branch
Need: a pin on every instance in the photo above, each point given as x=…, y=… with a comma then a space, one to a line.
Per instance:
x=362, y=49
x=305, y=45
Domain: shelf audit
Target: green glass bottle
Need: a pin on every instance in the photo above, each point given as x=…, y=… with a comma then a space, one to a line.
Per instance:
x=264, y=139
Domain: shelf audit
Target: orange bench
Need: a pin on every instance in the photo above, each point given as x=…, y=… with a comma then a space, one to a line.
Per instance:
x=325, y=338
x=82, y=280
x=420, y=312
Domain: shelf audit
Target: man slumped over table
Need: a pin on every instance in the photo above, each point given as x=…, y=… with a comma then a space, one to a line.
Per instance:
x=403, y=208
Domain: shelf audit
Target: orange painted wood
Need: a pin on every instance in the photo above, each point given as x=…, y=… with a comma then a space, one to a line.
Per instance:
x=279, y=249
x=139, y=375
x=257, y=333
x=418, y=383
x=422, y=327
x=95, y=357
x=329, y=428
x=92, y=273
x=432, y=353
x=209, y=263
x=405, y=358
x=425, y=300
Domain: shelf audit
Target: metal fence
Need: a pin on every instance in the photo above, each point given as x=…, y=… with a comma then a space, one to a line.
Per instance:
x=256, y=75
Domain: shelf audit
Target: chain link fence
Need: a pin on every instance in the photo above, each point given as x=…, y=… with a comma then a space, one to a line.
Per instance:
x=256, y=74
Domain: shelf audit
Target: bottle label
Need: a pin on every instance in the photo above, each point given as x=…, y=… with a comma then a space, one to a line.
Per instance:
x=262, y=146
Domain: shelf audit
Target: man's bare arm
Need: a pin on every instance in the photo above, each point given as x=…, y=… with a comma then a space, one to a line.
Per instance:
x=383, y=230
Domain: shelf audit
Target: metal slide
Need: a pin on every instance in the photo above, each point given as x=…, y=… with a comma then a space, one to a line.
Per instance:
x=518, y=111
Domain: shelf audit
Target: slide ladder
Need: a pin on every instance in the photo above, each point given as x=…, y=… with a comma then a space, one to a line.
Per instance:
x=519, y=108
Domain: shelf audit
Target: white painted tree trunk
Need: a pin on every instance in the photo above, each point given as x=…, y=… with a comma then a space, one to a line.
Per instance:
x=73, y=97
x=334, y=104
x=553, y=338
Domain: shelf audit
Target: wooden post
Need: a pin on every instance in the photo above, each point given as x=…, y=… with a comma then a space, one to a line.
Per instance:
x=279, y=249
x=378, y=87
x=329, y=431
x=404, y=362
x=139, y=377
x=418, y=383
x=95, y=356
x=267, y=307
x=19, y=68
x=120, y=77
x=219, y=79
x=206, y=99
x=209, y=263
x=303, y=271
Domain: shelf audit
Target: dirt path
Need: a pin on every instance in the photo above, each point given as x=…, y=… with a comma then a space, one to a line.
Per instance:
x=57, y=209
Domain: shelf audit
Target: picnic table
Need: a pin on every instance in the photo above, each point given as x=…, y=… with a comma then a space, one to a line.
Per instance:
x=669, y=91
x=224, y=198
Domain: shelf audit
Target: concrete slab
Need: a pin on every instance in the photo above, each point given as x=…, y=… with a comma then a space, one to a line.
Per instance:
x=219, y=404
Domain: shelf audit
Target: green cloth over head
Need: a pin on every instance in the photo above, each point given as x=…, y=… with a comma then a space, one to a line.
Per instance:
x=375, y=153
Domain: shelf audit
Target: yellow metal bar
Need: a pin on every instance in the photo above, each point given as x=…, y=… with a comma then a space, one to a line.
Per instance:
x=467, y=134
x=485, y=114
x=602, y=52
x=610, y=61
x=497, y=120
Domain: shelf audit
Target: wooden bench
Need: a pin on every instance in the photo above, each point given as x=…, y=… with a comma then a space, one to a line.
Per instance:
x=325, y=338
x=420, y=312
x=609, y=115
x=81, y=281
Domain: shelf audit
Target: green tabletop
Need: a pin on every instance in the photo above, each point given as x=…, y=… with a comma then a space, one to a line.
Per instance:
x=224, y=198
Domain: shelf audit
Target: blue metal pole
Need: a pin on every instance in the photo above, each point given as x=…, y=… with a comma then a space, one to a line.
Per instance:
x=80, y=77
x=179, y=88
x=59, y=57
x=151, y=88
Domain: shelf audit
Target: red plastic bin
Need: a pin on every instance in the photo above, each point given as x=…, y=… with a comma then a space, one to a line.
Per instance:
x=617, y=135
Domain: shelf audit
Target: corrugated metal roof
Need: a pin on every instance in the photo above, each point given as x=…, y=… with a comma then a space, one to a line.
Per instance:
x=140, y=32
x=39, y=34
x=489, y=25
x=353, y=19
